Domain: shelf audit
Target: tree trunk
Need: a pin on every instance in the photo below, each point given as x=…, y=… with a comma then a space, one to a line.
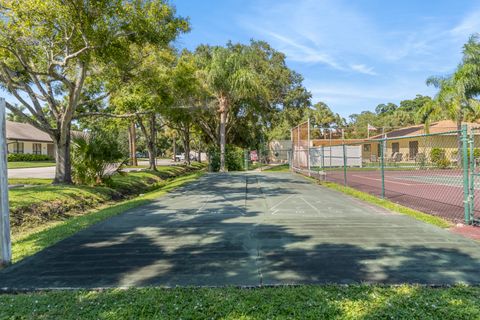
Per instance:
x=132, y=138
x=151, y=144
x=174, y=149
x=186, y=144
x=63, y=166
x=223, y=119
x=150, y=139
x=199, y=158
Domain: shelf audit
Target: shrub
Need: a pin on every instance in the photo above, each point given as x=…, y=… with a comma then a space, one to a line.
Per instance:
x=437, y=154
x=92, y=154
x=476, y=153
x=443, y=163
x=438, y=157
x=234, y=158
x=12, y=157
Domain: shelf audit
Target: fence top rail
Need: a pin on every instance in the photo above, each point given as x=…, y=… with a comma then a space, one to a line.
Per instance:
x=415, y=136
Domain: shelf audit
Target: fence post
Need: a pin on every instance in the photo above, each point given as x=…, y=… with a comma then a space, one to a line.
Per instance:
x=308, y=147
x=290, y=160
x=466, y=202
x=245, y=159
x=382, y=165
x=471, y=175
x=5, y=243
x=344, y=165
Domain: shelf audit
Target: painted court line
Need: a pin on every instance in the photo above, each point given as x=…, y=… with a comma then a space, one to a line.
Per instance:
x=391, y=181
x=281, y=201
x=314, y=208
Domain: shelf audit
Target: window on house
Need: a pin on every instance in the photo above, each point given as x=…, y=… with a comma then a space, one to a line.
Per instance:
x=366, y=147
x=413, y=149
x=37, y=148
x=18, y=147
x=395, y=147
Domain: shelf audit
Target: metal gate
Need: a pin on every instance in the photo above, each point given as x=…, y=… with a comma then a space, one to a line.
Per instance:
x=472, y=212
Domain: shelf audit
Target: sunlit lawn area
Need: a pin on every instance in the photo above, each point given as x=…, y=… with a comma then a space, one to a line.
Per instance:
x=30, y=164
x=302, y=302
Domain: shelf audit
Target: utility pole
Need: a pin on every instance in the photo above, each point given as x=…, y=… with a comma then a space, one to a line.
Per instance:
x=5, y=244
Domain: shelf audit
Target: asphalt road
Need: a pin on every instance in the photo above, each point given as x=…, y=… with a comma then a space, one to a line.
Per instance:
x=249, y=230
x=49, y=172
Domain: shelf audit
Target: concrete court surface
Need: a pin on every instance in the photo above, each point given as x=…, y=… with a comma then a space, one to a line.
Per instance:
x=249, y=230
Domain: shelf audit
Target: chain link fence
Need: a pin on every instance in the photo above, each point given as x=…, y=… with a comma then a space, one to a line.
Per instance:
x=434, y=173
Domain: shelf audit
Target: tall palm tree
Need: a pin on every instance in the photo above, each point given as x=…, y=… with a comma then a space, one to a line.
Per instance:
x=229, y=77
x=454, y=100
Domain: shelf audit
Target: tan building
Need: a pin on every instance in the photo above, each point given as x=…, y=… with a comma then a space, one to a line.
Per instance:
x=25, y=138
x=410, y=144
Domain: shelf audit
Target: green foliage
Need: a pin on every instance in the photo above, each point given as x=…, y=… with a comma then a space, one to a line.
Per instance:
x=92, y=155
x=357, y=301
x=388, y=116
x=234, y=158
x=11, y=157
x=386, y=108
x=439, y=158
x=65, y=56
x=437, y=154
x=443, y=163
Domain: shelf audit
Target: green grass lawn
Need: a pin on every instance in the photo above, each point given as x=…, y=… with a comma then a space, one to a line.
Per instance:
x=279, y=168
x=29, y=164
x=300, y=302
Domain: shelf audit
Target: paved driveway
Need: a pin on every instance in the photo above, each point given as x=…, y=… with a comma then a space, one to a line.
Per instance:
x=253, y=229
x=40, y=172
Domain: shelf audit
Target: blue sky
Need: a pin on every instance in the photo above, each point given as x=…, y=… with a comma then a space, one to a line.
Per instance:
x=352, y=54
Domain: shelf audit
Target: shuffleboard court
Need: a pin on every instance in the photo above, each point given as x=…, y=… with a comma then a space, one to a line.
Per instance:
x=249, y=230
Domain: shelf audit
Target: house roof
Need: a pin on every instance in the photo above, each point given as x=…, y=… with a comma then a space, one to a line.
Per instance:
x=25, y=132
x=334, y=142
x=435, y=127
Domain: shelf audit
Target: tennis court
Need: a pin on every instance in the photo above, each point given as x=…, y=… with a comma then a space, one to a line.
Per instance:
x=249, y=230
x=437, y=192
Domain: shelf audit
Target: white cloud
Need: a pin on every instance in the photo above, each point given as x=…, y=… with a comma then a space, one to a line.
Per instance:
x=312, y=32
x=302, y=53
x=352, y=42
x=467, y=26
x=363, y=69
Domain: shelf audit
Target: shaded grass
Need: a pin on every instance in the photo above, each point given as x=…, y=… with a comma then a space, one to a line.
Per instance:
x=437, y=221
x=300, y=302
x=27, y=243
x=279, y=168
x=29, y=164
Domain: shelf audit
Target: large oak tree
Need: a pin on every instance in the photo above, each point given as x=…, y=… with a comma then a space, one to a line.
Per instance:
x=55, y=53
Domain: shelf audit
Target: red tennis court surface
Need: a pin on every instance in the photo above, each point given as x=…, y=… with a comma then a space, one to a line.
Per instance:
x=437, y=192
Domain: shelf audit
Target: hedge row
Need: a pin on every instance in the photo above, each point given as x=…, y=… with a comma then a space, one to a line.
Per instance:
x=12, y=157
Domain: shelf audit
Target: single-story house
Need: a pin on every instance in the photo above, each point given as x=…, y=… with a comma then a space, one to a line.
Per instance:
x=411, y=143
x=25, y=138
